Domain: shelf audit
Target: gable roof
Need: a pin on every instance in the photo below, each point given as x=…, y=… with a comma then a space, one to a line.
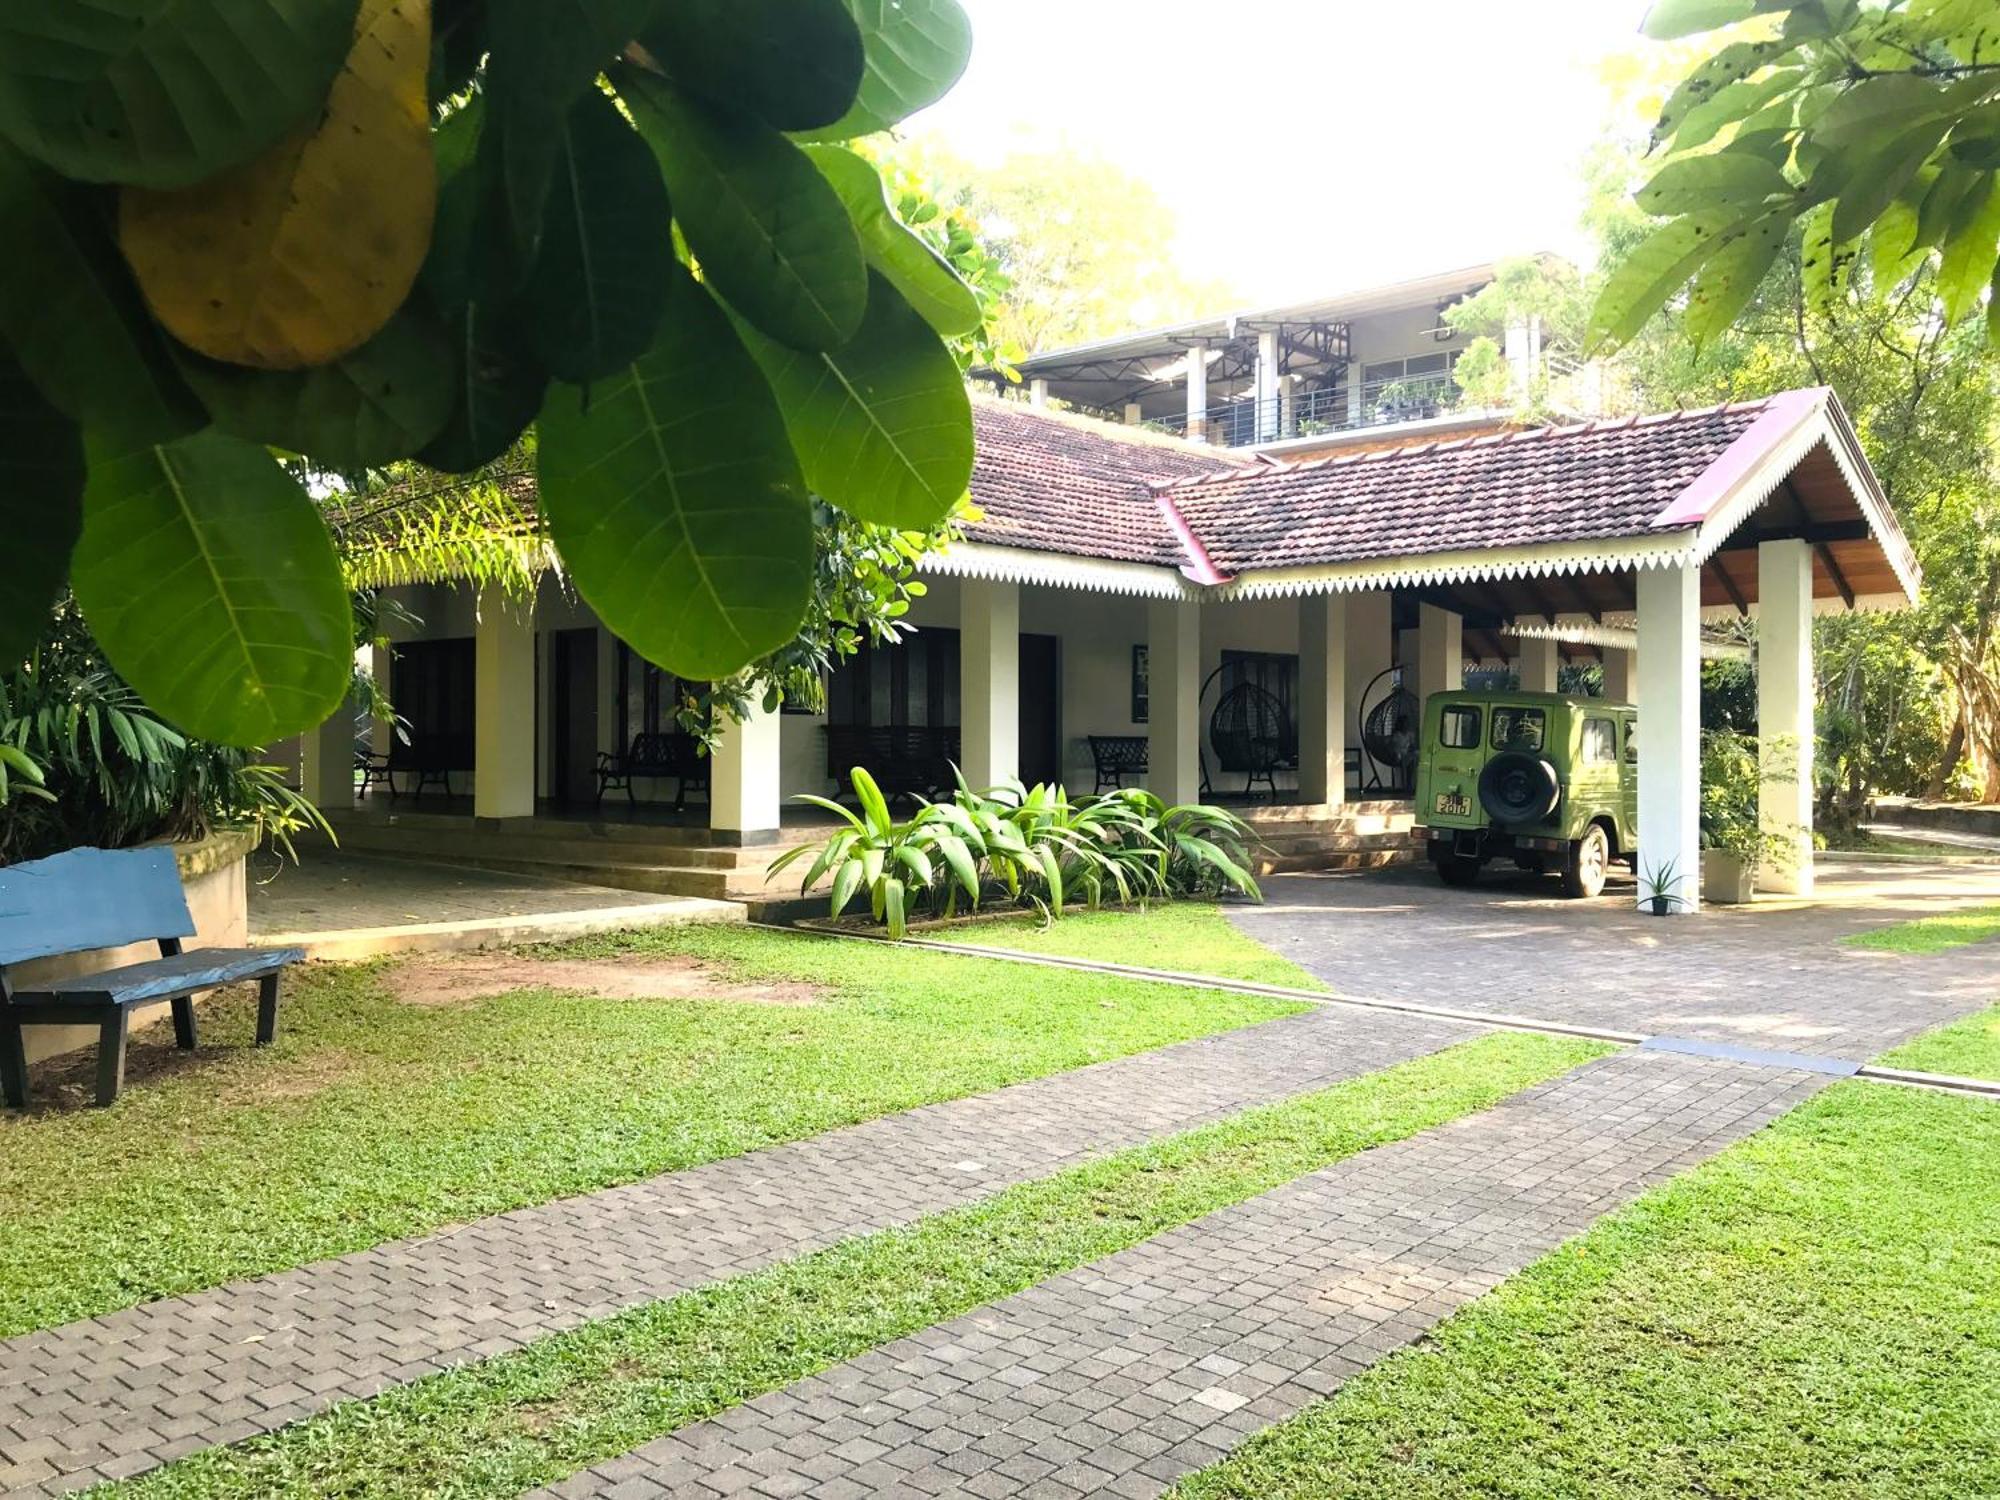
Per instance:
x=1597, y=497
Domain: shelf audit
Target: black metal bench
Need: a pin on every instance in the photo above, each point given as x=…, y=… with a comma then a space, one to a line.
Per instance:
x=1117, y=756
x=103, y=898
x=676, y=754
x=431, y=758
x=905, y=759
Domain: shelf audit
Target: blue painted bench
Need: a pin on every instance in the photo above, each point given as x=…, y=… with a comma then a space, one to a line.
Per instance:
x=104, y=898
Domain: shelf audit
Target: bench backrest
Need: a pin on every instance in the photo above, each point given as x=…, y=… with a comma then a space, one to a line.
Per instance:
x=90, y=898
x=1118, y=752
x=673, y=748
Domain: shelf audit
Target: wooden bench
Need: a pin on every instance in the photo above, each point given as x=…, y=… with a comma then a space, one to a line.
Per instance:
x=677, y=754
x=905, y=759
x=431, y=758
x=1117, y=756
x=104, y=898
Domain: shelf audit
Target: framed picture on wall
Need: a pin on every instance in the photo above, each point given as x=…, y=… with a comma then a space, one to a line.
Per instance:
x=1141, y=685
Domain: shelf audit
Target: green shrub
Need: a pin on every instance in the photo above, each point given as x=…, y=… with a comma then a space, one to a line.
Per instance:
x=1033, y=846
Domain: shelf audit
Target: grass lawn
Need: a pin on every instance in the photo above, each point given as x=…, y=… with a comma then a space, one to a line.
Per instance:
x=1969, y=1048
x=1815, y=1313
x=577, y=1398
x=1926, y=935
x=1194, y=937
x=374, y=1119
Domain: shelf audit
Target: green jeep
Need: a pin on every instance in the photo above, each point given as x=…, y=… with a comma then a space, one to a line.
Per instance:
x=1540, y=778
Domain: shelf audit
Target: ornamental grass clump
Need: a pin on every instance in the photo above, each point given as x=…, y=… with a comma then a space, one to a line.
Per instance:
x=1034, y=847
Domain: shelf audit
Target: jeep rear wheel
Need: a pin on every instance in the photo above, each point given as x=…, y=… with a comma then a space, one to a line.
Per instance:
x=1586, y=862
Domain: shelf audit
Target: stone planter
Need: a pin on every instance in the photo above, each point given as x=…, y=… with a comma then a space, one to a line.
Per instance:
x=1727, y=879
x=212, y=875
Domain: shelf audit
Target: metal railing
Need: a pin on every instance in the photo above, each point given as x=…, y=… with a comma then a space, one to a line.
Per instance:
x=1309, y=413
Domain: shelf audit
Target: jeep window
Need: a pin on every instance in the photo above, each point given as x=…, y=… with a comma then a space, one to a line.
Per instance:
x=1632, y=740
x=1459, y=729
x=1600, y=742
x=1519, y=728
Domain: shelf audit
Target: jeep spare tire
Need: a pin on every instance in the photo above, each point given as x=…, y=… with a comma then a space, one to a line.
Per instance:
x=1517, y=787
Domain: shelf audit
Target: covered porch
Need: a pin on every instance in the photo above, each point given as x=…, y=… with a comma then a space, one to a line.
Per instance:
x=1257, y=633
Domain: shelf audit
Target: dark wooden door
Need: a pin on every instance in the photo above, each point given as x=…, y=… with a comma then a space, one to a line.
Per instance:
x=573, y=732
x=1041, y=709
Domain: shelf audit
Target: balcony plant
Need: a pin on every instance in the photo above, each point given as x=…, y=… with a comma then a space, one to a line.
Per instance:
x=1735, y=844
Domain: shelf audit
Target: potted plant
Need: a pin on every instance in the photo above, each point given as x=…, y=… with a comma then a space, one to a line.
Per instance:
x=1662, y=885
x=1734, y=842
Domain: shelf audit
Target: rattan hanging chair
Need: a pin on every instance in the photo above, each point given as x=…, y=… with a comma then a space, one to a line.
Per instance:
x=1250, y=734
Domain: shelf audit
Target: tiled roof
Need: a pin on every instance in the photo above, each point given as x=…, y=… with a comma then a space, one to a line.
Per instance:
x=1520, y=489
x=1070, y=485
x=1051, y=482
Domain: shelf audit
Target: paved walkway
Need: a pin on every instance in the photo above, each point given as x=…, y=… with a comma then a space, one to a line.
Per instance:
x=347, y=906
x=1770, y=975
x=1118, y=1378
x=116, y=1395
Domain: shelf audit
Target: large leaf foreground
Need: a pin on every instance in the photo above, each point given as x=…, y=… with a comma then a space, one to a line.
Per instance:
x=673, y=495
x=208, y=576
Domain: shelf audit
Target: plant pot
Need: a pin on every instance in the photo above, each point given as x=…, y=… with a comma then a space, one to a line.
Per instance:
x=1660, y=906
x=1727, y=878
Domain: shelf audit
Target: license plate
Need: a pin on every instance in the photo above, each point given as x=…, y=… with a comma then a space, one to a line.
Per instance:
x=1454, y=804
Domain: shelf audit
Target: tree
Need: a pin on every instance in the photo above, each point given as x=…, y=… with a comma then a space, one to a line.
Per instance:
x=390, y=232
x=1873, y=126
x=1085, y=246
x=1905, y=699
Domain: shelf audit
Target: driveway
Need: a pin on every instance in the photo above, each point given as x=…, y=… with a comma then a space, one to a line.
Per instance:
x=1770, y=975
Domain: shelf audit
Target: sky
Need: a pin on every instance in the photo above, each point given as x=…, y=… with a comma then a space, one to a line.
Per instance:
x=1309, y=146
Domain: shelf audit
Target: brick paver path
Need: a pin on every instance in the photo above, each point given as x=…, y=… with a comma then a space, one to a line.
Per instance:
x=1763, y=978
x=123, y=1393
x=1120, y=1377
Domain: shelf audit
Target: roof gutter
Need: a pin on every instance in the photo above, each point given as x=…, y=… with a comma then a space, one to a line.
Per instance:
x=1199, y=567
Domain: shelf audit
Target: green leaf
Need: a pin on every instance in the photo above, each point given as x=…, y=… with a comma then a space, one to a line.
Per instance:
x=1693, y=183
x=497, y=388
x=448, y=267
x=874, y=806
x=794, y=64
x=1672, y=19
x=542, y=56
x=1727, y=68
x=915, y=51
x=846, y=880
x=1730, y=277
x=69, y=309
x=917, y=863
x=382, y=402
x=924, y=277
x=883, y=426
x=1969, y=254
x=208, y=577
x=594, y=299
x=41, y=508
x=164, y=92
x=893, y=907
x=1654, y=270
x=1878, y=176
x=1889, y=104
x=772, y=236
x=675, y=500
x=1734, y=103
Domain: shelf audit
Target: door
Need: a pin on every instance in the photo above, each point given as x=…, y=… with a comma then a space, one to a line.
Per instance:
x=1041, y=710
x=573, y=731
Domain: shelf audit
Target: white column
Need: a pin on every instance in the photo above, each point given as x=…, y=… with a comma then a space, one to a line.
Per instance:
x=1173, y=731
x=1371, y=647
x=1197, y=392
x=1288, y=425
x=1620, y=684
x=1785, y=711
x=1134, y=416
x=326, y=769
x=1267, y=386
x=1440, y=651
x=503, y=708
x=1038, y=392
x=744, y=783
x=1354, y=394
x=1520, y=357
x=989, y=680
x=1540, y=661
x=1323, y=698
x=1670, y=733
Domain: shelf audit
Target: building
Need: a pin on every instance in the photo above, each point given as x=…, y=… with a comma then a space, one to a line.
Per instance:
x=1219, y=615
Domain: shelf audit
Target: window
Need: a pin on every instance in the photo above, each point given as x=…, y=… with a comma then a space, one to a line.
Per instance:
x=1632, y=739
x=911, y=684
x=1142, y=684
x=648, y=698
x=1600, y=742
x=1519, y=728
x=1459, y=729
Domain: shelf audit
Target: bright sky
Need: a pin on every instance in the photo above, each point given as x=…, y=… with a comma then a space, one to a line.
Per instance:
x=1309, y=146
